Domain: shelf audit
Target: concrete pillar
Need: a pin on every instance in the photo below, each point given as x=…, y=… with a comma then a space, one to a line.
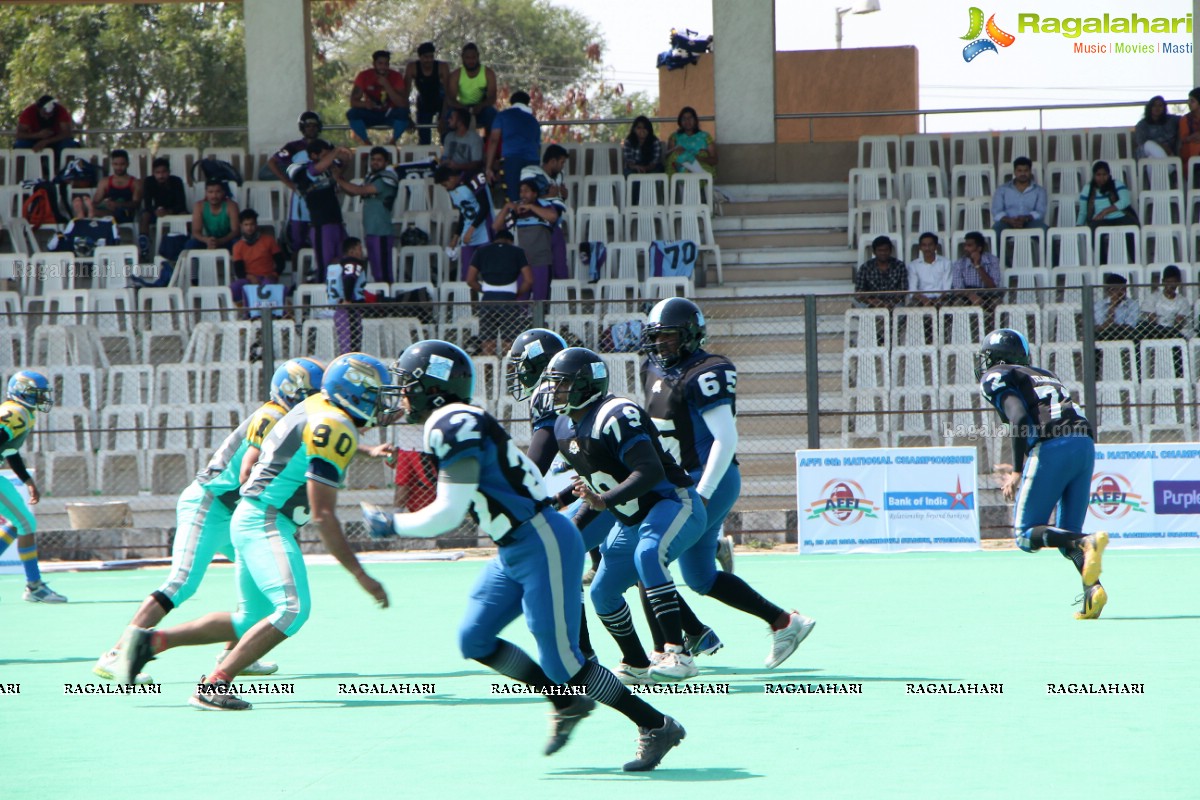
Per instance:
x=278, y=69
x=1195, y=43
x=744, y=80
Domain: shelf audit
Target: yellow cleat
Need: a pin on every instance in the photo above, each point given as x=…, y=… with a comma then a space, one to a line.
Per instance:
x=1094, y=599
x=1093, y=550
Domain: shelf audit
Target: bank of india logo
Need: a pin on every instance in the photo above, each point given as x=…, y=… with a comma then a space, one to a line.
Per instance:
x=995, y=36
x=842, y=502
x=1113, y=497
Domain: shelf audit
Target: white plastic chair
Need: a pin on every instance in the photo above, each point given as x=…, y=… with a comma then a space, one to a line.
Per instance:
x=1013, y=144
x=971, y=148
x=1065, y=144
x=923, y=150
x=1115, y=240
x=603, y=191
x=1164, y=243
x=871, y=184
x=879, y=152
x=961, y=325
x=650, y=189
x=1110, y=144
x=1069, y=247
x=921, y=183
x=973, y=180
x=1025, y=247
x=866, y=329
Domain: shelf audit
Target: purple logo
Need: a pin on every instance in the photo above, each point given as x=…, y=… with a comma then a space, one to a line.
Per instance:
x=1177, y=497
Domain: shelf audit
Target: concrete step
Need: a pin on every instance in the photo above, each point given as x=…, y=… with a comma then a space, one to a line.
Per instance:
x=759, y=192
x=744, y=256
x=830, y=205
x=800, y=276
x=770, y=287
x=806, y=238
x=781, y=222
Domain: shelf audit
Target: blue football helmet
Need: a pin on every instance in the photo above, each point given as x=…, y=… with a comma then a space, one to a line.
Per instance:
x=352, y=382
x=295, y=380
x=31, y=389
x=430, y=374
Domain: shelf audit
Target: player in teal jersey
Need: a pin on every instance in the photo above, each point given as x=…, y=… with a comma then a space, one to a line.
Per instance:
x=205, y=507
x=28, y=392
x=295, y=480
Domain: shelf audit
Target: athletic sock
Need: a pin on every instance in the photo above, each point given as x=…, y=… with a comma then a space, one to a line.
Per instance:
x=29, y=561
x=735, y=592
x=620, y=625
x=664, y=600
x=158, y=642
x=1074, y=555
x=603, y=687
x=1057, y=537
x=513, y=662
x=655, y=629
x=219, y=675
x=692, y=625
x=585, y=638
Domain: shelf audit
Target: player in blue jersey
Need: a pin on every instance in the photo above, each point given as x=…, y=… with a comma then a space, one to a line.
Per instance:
x=205, y=508
x=295, y=480
x=28, y=392
x=1053, y=452
x=539, y=562
x=692, y=397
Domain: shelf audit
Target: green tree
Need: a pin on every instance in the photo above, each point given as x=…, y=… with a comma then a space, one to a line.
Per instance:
x=129, y=66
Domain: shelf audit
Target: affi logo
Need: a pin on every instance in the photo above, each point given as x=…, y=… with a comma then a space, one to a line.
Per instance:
x=1113, y=497
x=842, y=502
x=995, y=36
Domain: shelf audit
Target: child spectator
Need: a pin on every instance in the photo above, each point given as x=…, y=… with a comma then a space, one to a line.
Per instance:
x=535, y=219
x=345, y=284
x=257, y=259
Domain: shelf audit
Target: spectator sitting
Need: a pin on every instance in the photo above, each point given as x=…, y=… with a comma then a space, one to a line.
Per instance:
x=1115, y=313
x=345, y=286
x=119, y=195
x=379, y=97
x=315, y=179
x=535, y=219
x=462, y=146
x=500, y=272
x=163, y=194
x=516, y=137
x=474, y=203
x=472, y=89
x=1157, y=133
x=1105, y=201
x=643, y=150
x=929, y=274
x=550, y=176
x=690, y=149
x=212, y=219
x=976, y=276
x=1020, y=203
x=882, y=273
x=378, y=190
x=1168, y=311
x=257, y=259
x=430, y=77
x=1189, y=128
x=45, y=123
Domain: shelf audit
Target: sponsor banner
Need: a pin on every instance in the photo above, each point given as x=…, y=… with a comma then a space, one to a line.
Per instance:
x=1146, y=495
x=10, y=561
x=887, y=500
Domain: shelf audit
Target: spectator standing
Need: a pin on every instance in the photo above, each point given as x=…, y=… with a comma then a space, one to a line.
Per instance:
x=118, y=195
x=643, y=151
x=213, y=219
x=1020, y=203
x=462, y=146
x=257, y=259
x=535, y=220
x=976, y=276
x=551, y=175
x=881, y=273
x=45, y=123
x=296, y=152
x=1156, y=134
x=473, y=200
x=516, y=138
x=379, y=97
x=472, y=88
x=690, y=149
x=378, y=190
x=929, y=274
x=163, y=194
x=430, y=77
x=316, y=181
x=500, y=272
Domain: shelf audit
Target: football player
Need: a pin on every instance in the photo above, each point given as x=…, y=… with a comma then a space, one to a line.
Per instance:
x=691, y=396
x=539, y=561
x=206, y=506
x=303, y=462
x=1053, y=453
x=613, y=446
x=28, y=393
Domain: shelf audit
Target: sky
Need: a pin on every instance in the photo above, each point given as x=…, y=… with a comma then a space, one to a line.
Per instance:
x=1036, y=69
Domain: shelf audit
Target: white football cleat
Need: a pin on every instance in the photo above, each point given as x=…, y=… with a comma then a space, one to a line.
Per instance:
x=674, y=667
x=784, y=642
x=107, y=662
x=257, y=668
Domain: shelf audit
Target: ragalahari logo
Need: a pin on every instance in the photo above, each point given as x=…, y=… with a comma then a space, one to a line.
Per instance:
x=995, y=36
x=1113, y=497
x=842, y=502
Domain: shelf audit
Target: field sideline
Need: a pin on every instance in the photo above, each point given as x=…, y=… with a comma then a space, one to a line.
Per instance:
x=884, y=622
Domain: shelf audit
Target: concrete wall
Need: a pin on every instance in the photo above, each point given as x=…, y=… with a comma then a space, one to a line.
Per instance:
x=278, y=69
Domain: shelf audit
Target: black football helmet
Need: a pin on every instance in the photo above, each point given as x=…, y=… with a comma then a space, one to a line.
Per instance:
x=431, y=374
x=528, y=357
x=1001, y=346
x=578, y=378
x=307, y=117
x=674, y=315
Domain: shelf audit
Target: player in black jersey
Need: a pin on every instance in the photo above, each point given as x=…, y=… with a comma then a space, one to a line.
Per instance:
x=691, y=396
x=1053, y=454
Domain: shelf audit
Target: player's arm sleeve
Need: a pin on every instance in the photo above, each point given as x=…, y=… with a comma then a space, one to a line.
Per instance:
x=543, y=447
x=455, y=488
x=645, y=472
x=721, y=424
x=17, y=465
x=1018, y=418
